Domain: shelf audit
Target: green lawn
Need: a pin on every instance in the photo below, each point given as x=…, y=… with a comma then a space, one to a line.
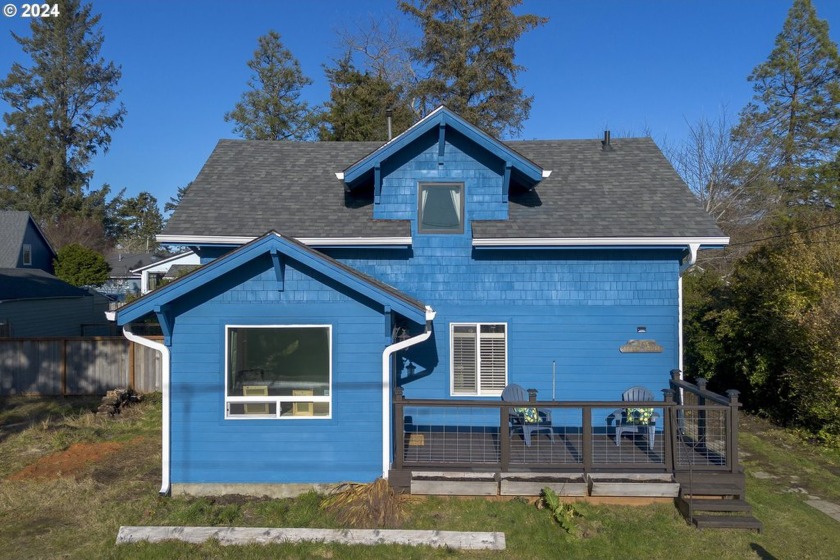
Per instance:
x=77, y=515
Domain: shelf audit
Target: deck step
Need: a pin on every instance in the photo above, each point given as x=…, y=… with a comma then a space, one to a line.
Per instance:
x=727, y=522
x=719, y=505
x=711, y=489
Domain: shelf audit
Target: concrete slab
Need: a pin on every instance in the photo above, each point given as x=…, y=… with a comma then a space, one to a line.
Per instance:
x=265, y=535
x=830, y=509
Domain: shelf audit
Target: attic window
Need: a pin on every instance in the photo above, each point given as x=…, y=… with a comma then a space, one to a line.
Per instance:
x=27, y=255
x=440, y=208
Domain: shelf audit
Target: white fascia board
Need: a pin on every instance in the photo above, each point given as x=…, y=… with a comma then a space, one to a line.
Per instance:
x=162, y=261
x=313, y=241
x=546, y=173
x=598, y=241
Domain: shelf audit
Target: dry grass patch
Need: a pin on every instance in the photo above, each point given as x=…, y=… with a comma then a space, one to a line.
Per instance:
x=366, y=505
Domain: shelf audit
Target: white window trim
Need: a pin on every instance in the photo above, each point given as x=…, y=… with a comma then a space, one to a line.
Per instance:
x=478, y=392
x=27, y=250
x=276, y=400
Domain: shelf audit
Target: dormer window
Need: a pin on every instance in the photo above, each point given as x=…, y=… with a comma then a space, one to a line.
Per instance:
x=27, y=255
x=440, y=208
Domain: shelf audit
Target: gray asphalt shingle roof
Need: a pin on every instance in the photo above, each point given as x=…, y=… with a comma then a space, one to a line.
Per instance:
x=33, y=283
x=249, y=187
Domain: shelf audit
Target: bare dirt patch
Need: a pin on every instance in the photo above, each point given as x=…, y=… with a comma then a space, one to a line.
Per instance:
x=71, y=462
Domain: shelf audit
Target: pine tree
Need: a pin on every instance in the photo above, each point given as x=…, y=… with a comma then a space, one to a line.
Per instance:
x=271, y=109
x=64, y=108
x=358, y=106
x=795, y=112
x=174, y=201
x=137, y=221
x=468, y=48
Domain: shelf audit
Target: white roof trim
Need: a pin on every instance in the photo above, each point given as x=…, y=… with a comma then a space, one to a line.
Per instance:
x=315, y=241
x=598, y=241
x=162, y=261
x=339, y=175
x=546, y=173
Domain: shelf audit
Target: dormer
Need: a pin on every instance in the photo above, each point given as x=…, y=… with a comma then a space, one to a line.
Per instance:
x=442, y=173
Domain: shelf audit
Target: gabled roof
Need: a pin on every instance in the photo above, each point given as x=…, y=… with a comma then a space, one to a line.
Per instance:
x=32, y=283
x=275, y=244
x=125, y=265
x=443, y=118
x=12, y=229
x=163, y=261
x=249, y=187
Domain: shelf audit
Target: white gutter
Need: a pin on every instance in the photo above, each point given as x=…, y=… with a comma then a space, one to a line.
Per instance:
x=316, y=241
x=386, y=386
x=164, y=387
x=692, y=242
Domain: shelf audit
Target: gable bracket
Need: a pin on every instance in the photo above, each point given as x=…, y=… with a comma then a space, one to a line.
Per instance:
x=387, y=316
x=441, y=141
x=377, y=182
x=165, y=320
x=279, y=268
x=506, y=181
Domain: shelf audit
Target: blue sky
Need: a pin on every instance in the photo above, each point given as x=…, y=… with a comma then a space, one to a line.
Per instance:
x=626, y=65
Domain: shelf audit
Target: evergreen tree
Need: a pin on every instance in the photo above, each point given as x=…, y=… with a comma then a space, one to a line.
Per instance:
x=358, y=106
x=795, y=112
x=174, y=201
x=137, y=221
x=81, y=266
x=63, y=113
x=271, y=109
x=468, y=48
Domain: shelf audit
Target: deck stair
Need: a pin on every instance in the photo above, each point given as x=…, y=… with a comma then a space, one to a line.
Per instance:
x=708, y=504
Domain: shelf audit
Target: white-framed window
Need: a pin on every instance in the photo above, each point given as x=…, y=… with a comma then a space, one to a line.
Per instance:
x=479, y=358
x=27, y=255
x=440, y=208
x=278, y=371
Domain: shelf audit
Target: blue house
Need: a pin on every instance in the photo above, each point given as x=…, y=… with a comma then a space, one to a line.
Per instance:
x=22, y=243
x=357, y=296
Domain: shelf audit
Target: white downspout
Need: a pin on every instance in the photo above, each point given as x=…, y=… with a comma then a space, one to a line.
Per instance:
x=386, y=386
x=164, y=388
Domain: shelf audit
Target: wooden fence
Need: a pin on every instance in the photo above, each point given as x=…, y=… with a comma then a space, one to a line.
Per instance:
x=76, y=366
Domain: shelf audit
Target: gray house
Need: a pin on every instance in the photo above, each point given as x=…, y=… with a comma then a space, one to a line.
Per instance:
x=33, y=302
x=22, y=243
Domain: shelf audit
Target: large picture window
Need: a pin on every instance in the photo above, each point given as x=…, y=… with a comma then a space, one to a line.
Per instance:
x=278, y=371
x=479, y=358
x=440, y=208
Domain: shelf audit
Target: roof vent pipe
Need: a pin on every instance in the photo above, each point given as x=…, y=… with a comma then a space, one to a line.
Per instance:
x=605, y=143
x=389, y=113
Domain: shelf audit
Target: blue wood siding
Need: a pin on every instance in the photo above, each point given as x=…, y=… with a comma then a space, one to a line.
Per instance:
x=208, y=448
x=575, y=308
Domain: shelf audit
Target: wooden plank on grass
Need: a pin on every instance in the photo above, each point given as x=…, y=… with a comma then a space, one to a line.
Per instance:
x=265, y=535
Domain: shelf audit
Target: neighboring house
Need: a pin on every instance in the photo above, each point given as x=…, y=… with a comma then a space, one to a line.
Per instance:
x=124, y=278
x=168, y=268
x=22, y=243
x=444, y=262
x=34, y=303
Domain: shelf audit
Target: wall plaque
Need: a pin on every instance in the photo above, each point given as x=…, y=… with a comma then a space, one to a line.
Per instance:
x=640, y=346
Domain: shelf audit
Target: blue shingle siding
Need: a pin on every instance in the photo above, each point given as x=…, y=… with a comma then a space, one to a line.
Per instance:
x=463, y=161
x=208, y=448
x=573, y=307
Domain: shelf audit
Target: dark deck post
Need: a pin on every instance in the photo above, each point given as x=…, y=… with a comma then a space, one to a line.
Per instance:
x=701, y=412
x=676, y=376
x=399, y=428
x=670, y=432
x=504, y=437
x=732, y=439
x=532, y=395
x=587, y=438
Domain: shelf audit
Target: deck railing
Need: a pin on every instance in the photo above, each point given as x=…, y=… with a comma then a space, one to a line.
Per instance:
x=695, y=429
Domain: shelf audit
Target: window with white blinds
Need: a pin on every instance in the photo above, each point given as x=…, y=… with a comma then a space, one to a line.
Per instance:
x=479, y=358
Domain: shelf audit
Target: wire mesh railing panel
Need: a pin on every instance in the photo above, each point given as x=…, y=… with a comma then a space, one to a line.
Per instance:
x=617, y=441
x=557, y=440
x=446, y=435
x=702, y=434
